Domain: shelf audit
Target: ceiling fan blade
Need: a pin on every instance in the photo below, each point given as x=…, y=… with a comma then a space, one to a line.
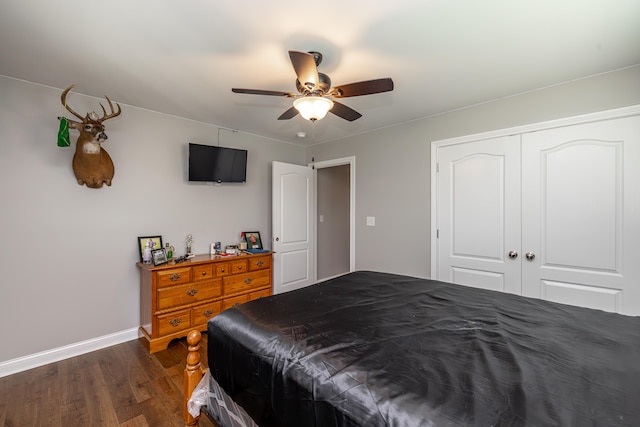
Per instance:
x=368, y=87
x=305, y=66
x=289, y=114
x=345, y=112
x=263, y=92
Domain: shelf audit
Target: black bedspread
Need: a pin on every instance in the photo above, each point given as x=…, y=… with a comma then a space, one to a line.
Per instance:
x=375, y=349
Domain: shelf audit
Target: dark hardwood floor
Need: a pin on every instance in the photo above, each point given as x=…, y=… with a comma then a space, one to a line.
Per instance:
x=122, y=385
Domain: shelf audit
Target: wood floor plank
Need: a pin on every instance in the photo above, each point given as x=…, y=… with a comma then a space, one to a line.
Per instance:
x=115, y=370
x=3, y=410
x=122, y=385
x=161, y=410
x=149, y=362
x=73, y=400
x=100, y=407
x=15, y=392
x=139, y=421
x=5, y=392
x=45, y=395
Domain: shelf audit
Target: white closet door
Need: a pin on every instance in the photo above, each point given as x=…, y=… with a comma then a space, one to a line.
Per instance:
x=581, y=215
x=478, y=214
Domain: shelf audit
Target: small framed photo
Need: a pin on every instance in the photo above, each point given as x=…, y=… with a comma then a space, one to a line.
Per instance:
x=159, y=256
x=154, y=242
x=253, y=239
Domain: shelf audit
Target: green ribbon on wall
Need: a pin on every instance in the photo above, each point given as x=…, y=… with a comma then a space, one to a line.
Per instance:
x=63, y=133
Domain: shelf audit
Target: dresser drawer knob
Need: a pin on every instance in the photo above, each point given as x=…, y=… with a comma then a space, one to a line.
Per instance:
x=175, y=322
x=239, y=267
x=207, y=313
x=260, y=263
x=204, y=273
x=192, y=292
x=222, y=270
x=175, y=276
x=248, y=280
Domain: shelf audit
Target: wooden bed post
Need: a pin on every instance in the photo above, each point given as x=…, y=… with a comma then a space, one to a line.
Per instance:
x=192, y=374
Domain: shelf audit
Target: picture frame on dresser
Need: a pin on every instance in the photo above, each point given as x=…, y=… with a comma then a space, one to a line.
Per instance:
x=156, y=243
x=253, y=239
x=159, y=256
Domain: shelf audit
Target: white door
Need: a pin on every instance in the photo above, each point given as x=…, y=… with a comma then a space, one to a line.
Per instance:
x=478, y=214
x=581, y=215
x=293, y=221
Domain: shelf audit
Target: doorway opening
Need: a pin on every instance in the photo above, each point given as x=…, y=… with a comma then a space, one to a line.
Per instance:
x=335, y=217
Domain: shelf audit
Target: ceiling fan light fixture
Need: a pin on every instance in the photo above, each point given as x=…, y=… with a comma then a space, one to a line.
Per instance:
x=313, y=107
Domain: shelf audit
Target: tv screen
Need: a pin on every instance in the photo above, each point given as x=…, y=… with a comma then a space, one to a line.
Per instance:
x=217, y=164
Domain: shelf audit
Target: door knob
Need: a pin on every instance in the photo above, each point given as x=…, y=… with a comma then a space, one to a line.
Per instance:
x=530, y=256
x=513, y=254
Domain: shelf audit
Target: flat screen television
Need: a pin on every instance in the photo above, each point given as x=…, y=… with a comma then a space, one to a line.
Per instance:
x=211, y=163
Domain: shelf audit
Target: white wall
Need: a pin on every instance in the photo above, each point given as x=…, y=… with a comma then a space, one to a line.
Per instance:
x=393, y=173
x=68, y=253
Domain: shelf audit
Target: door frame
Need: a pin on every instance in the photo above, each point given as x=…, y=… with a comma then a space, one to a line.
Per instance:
x=351, y=161
x=533, y=127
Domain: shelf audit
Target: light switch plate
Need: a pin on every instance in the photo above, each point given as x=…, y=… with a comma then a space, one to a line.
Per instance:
x=371, y=221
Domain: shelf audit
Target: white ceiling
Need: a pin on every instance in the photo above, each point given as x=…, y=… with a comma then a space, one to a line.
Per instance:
x=183, y=57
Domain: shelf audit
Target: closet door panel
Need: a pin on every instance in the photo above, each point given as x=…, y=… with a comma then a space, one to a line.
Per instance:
x=580, y=217
x=590, y=296
x=479, y=214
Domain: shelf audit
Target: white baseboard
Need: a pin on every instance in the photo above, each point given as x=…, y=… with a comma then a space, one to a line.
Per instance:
x=54, y=355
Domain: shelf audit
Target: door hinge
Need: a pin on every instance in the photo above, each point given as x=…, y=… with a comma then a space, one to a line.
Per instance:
x=437, y=167
x=437, y=234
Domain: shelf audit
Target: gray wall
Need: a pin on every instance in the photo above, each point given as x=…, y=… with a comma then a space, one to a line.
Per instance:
x=393, y=164
x=333, y=191
x=68, y=252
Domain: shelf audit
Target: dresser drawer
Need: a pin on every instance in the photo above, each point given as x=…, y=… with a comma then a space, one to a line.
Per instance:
x=222, y=269
x=260, y=294
x=202, y=313
x=174, y=322
x=202, y=272
x=259, y=263
x=175, y=276
x=230, y=302
x=239, y=266
x=175, y=296
x=247, y=281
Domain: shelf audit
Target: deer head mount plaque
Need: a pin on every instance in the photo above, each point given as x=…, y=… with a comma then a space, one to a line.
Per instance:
x=92, y=165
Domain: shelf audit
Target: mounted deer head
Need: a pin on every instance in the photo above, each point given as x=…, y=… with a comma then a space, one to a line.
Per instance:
x=92, y=165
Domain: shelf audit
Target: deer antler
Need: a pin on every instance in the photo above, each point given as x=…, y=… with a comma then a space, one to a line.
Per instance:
x=64, y=102
x=113, y=113
x=103, y=118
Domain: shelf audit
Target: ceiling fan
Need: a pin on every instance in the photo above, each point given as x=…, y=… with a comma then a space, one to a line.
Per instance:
x=315, y=92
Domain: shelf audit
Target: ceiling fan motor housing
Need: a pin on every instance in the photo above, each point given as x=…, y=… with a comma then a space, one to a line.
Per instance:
x=324, y=84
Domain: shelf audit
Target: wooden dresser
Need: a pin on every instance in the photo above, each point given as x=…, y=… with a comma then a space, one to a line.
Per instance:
x=175, y=298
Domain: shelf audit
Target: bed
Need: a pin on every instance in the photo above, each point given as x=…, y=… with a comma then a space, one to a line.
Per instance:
x=378, y=349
